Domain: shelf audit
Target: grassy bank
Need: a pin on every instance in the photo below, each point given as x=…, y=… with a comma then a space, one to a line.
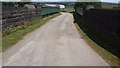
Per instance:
x=18, y=33
x=100, y=42
x=110, y=58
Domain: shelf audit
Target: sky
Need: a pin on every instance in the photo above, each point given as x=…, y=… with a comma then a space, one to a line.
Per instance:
x=56, y=0
x=112, y=1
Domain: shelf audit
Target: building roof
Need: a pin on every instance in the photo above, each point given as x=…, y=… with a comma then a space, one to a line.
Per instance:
x=50, y=5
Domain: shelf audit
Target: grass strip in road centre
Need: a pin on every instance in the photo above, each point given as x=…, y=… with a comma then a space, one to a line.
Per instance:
x=15, y=36
x=107, y=56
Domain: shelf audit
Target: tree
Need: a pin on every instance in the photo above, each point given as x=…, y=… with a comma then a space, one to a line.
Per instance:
x=22, y=3
x=26, y=0
x=83, y=5
x=8, y=3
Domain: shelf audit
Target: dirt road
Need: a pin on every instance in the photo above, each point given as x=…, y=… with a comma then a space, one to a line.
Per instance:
x=56, y=43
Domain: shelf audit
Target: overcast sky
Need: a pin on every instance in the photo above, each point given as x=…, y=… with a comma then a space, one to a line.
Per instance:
x=55, y=0
x=113, y=1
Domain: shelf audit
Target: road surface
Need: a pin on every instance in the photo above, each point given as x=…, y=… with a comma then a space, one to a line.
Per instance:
x=57, y=43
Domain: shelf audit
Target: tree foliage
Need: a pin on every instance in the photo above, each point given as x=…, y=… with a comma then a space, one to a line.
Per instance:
x=85, y=4
x=22, y=3
x=8, y=3
x=14, y=3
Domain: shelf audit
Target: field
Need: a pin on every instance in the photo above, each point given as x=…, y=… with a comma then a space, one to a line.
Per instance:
x=110, y=6
x=68, y=9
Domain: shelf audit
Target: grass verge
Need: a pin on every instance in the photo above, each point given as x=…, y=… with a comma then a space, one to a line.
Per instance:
x=0, y=41
x=18, y=33
x=107, y=56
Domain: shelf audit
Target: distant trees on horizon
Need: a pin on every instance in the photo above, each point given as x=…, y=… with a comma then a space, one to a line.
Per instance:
x=83, y=5
x=14, y=3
